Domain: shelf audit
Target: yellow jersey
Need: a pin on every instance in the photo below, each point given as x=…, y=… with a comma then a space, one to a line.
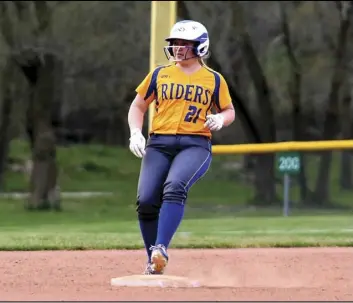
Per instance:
x=183, y=101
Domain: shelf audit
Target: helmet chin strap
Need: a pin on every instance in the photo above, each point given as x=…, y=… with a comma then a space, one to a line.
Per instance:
x=181, y=60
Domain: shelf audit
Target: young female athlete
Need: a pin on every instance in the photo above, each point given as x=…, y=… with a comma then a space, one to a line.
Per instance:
x=178, y=152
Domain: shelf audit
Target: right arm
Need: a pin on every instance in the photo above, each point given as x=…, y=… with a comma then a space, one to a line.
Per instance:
x=137, y=110
x=136, y=114
x=139, y=106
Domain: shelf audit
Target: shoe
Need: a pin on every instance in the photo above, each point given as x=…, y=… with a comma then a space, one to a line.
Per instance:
x=150, y=271
x=159, y=258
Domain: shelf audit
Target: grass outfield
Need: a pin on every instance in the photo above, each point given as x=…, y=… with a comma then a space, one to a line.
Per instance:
x=102, y=224
x=217, y=211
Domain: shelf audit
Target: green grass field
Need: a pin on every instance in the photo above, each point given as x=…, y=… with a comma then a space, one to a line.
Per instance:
x=216, y=215
x=104, y=224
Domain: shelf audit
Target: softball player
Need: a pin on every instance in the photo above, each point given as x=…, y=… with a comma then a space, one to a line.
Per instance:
x=191, y=100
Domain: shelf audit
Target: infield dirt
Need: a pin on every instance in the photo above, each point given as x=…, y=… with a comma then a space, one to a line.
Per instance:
x=227, y=275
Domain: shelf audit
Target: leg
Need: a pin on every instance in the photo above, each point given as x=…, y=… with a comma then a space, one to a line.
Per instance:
x=187, y=168
x=154, y=169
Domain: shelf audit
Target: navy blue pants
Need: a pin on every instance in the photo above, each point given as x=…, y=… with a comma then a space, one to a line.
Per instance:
x=171, y=165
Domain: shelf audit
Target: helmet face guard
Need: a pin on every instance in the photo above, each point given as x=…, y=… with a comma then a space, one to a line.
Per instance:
x=176, y=53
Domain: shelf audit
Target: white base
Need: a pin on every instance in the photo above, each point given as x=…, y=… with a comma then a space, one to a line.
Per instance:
x=153, y=281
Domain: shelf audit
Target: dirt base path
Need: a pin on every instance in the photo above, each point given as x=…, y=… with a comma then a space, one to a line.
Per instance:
x=230, y=274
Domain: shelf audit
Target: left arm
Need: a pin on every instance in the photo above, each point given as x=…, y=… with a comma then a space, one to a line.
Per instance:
x=228, y=114
x=224, y=118
x=225, y=109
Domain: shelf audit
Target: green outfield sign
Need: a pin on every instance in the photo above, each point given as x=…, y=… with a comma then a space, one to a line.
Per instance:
x=288, y=162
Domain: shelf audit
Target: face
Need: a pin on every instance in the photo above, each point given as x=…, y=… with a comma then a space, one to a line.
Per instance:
x=182, y=49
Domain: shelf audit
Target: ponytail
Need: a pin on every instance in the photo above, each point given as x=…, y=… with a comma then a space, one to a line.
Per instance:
x=202, y=62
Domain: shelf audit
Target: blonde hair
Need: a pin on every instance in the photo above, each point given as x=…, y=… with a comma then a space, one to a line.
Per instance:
x=202, y=62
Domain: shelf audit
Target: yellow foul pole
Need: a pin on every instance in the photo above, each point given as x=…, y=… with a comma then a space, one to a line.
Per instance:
x=163, y=17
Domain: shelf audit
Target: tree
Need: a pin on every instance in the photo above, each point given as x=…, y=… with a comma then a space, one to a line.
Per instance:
x=331, y=120
x=265, y=190
x=6, y=103
x=345, y=180
x=294, y=89
x=25, y=26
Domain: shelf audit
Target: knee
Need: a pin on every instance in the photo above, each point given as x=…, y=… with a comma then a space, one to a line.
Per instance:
x=148, y=207
x=174, y=191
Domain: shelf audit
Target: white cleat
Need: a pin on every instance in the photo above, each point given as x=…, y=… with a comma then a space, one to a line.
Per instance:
x=149, y=270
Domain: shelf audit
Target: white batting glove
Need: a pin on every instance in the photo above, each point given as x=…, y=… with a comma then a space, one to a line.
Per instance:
x=137, y=143
x=214, y=122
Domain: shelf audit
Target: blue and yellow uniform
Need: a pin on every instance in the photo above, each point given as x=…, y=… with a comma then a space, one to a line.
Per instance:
x=183, y=101
x=178, y=151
